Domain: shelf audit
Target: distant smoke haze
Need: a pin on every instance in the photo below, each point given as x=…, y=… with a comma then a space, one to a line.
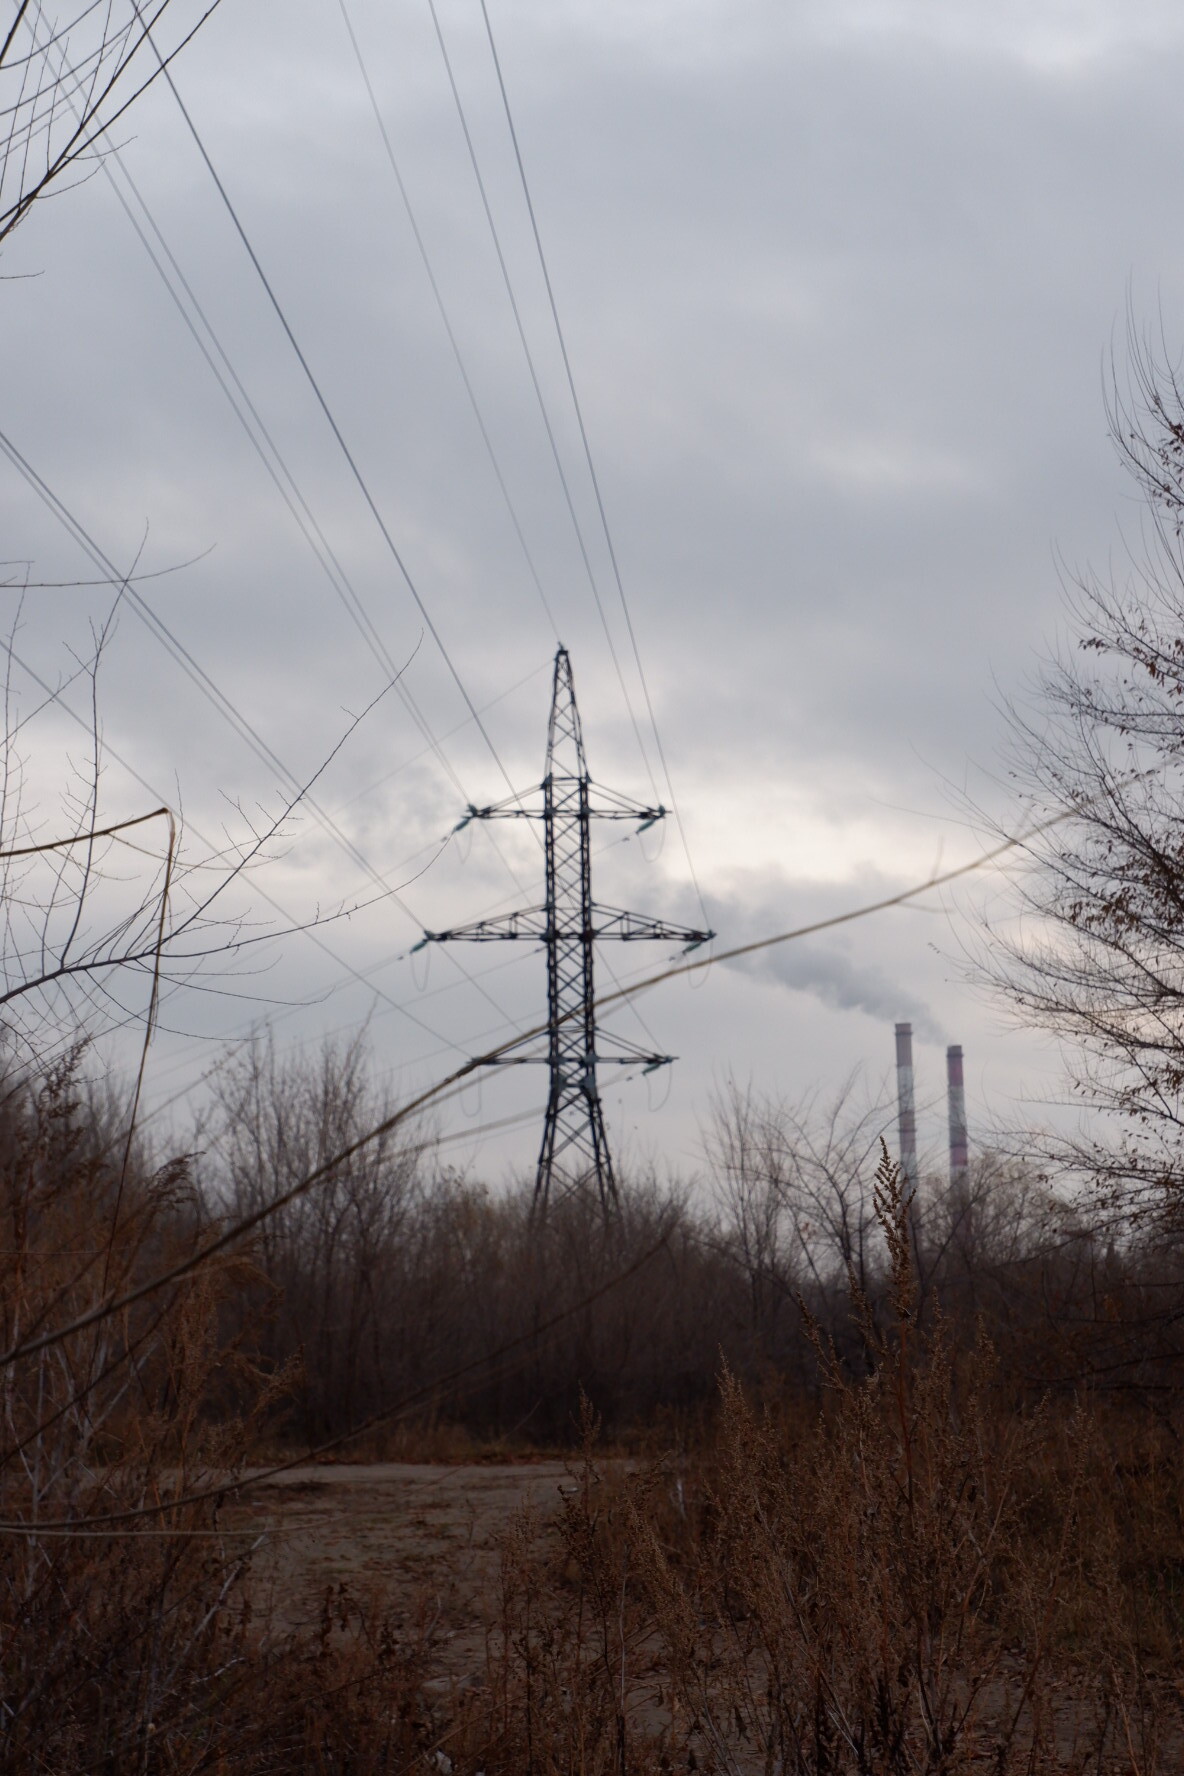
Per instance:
x=823, y=967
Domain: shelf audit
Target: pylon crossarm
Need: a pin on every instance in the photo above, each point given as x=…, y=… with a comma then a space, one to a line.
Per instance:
x=610, y=806
x=511, y=808
x=607, y=922
x=530, y=922
x=629, y=927
x=647, y=1062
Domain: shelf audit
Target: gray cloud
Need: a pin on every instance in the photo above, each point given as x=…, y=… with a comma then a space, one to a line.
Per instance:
x=837, y=281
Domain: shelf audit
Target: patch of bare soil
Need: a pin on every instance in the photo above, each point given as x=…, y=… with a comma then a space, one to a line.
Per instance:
x=421, y=1539
x=419, y=1546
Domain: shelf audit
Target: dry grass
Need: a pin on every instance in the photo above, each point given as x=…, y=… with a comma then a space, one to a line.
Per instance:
x=916, y=1570
x=923, y=1580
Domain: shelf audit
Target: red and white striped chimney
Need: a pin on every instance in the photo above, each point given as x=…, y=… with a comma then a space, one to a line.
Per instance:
x=959, y=1156
x=906, y=1106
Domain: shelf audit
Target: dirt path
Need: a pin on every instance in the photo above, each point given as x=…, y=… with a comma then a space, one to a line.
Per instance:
x=423, y=1538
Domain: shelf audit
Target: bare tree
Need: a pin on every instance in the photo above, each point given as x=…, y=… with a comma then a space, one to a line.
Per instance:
x=65, y=82
x=100, y=915
x=338, y=1256
x=1097, y=955
x=794, y=1179
x=108, y=1642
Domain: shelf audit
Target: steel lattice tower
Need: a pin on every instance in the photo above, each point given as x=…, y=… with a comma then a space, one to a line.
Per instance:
x=574, y=1154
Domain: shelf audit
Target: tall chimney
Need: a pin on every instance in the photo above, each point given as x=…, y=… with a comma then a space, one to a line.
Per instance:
x=959, y=1156
x=906, y=1107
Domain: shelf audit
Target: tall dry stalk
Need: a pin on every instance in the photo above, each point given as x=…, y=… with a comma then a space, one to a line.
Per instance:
x=855, y=1595
x=115, y=1590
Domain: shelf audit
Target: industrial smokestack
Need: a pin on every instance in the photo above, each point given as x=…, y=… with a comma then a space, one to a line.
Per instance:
x=959, y=1156
x=906, y=1106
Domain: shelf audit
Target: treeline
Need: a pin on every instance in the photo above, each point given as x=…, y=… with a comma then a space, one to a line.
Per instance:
x=920, y=1462
x=398, y=1288
x=402, y=1300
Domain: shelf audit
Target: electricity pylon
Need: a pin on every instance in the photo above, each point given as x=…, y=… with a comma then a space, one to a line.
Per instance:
x=574, y=1154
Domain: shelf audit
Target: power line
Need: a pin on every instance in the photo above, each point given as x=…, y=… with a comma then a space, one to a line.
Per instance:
x=309, y=528
x=445, y=318
x=537, y=386
x=336, y=574
x=535, y=383
x=315, y=386
x=552, y=441
x=339, y=436
x=276, y=906
x=579, y=413
x=353, y=602
x=351, y=461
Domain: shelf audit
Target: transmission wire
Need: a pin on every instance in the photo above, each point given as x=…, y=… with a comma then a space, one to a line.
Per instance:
x=315, y=386
x=349, y=457
x=534, y=378
x=530, y=363
x=593, y=476
x=356, y=610
x=347, y=453
x=295, y=924
x=445, y=318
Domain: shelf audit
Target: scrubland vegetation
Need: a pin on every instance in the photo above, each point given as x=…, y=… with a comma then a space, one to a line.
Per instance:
x=856, y=1484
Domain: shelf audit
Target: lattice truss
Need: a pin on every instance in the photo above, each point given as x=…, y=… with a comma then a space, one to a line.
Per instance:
x=574, y=1154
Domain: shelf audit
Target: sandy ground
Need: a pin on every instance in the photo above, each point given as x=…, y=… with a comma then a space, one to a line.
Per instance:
x=423, y=1539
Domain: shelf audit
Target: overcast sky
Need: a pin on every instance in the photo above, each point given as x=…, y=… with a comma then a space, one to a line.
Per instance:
x=839, y=285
